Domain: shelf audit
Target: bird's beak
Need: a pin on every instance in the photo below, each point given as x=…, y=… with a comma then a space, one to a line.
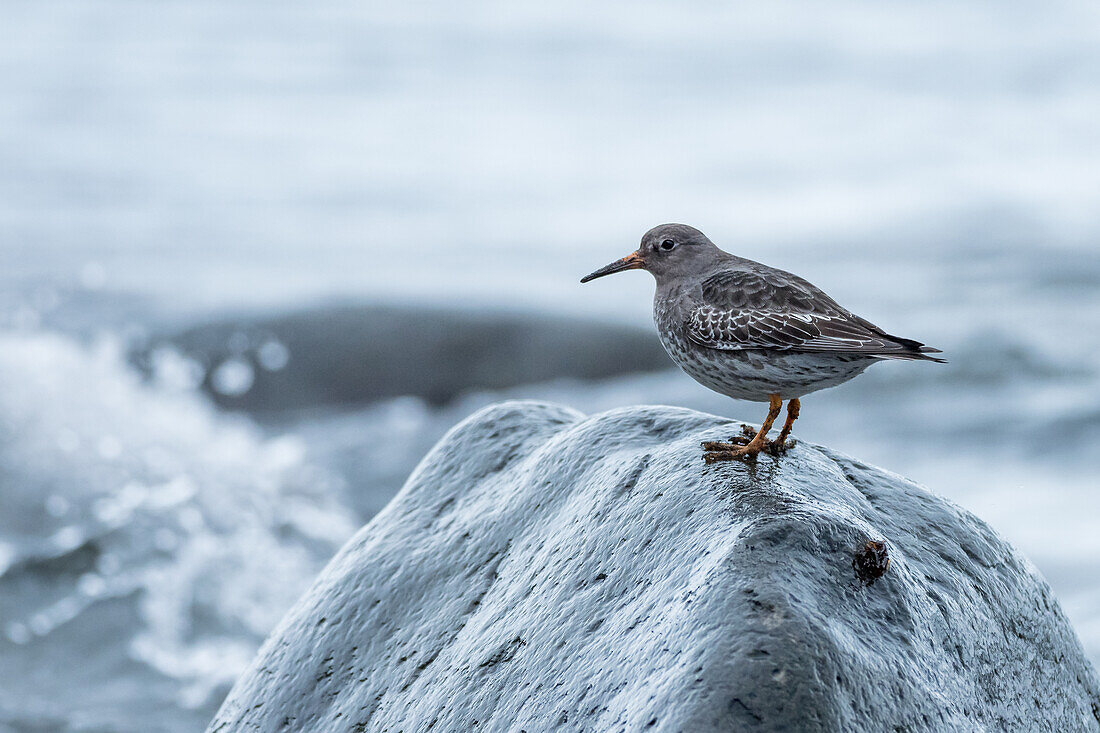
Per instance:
x=632, y=261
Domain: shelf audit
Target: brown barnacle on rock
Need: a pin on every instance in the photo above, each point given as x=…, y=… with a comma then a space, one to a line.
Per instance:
x=871, y=561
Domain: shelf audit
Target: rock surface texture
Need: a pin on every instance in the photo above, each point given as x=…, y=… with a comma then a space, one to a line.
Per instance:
x=542, y=570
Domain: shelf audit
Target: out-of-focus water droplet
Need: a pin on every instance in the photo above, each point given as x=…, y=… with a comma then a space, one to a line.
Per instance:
x=67, y=538
x=407, y=413
x=17, y=633
x=233, y=377
x=273, y=355
x=56, y=505
x=174, y=371
x=117, y=508
x=92, y=584
x=285, y=451
x=40, y=624
x=7, y=557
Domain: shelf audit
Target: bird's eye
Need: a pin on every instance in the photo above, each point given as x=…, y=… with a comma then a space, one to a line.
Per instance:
x=667, y=245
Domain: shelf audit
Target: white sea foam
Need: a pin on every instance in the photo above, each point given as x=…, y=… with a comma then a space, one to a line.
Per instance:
x=211, y=541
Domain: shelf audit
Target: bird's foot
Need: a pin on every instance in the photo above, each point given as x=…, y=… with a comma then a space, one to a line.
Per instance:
x=779, y=448
x=741, y=450
x=734, y=452
x=735, y=443
x=744, y=447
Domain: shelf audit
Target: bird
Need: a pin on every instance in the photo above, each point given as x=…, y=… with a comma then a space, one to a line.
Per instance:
x=753, y=332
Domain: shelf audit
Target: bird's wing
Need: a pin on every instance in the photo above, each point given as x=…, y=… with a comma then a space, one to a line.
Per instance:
x=745, y=309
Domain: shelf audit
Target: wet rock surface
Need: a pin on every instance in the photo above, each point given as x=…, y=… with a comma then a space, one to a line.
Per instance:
x=543, y=570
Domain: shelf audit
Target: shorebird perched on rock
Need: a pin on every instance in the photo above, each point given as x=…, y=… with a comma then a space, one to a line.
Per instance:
x=753, y=332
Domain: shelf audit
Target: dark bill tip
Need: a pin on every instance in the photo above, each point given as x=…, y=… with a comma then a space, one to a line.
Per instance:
x=632, y=261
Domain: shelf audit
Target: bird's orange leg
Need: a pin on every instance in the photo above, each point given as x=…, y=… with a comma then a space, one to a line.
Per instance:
x=793, y=406
x=730, y=451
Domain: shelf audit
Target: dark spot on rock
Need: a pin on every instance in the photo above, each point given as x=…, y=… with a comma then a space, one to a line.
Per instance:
x=635, y=474
x=443, y=508
x=424, y=665
x=871, y=561
x=505, y=654
x=327, y=669
x=737, y=706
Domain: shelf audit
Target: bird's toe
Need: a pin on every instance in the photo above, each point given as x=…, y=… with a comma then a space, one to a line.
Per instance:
x=716, y=445
x=740, y=453
x=715, y=456
x=779, y=448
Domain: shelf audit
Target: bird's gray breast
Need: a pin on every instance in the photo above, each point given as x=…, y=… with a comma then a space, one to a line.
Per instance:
x=748, y=374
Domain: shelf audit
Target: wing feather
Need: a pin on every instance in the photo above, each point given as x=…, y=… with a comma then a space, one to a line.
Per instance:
x=744, y=309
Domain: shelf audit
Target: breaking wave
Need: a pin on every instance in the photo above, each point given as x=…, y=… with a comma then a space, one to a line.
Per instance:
x=181, y=532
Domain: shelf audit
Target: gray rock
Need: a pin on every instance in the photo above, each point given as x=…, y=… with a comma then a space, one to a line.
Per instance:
x=542, y=570
x=356, y=355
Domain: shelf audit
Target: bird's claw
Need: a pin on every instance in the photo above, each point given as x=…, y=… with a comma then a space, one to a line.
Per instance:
x=744, y=447
x=734, y=443
x=777, y=448
x=743, y=453
x=718, y=446
x=733, y=453
x=739, y=449
x=726, y=455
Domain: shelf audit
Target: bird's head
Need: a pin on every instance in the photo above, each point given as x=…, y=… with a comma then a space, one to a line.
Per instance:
x=666, y=250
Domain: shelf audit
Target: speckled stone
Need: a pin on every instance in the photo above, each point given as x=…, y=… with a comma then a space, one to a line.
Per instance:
x=546, y=571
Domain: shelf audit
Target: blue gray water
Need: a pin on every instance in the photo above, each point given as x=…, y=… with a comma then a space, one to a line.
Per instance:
x=255, y=258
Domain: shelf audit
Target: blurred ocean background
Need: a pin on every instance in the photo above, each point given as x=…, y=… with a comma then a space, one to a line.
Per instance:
x=256, y=257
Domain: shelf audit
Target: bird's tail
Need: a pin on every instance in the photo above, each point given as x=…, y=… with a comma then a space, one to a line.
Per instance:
x=922, y=355
x=912, y=351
